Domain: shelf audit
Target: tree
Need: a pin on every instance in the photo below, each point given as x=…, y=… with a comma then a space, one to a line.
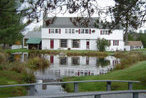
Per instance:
x=129, y=14
x=10, y=25
x=102, y=44
x=142, y=38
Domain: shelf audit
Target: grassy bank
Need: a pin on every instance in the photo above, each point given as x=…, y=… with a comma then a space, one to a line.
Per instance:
x=13, y=73
x=135, y=72
x=66, y=52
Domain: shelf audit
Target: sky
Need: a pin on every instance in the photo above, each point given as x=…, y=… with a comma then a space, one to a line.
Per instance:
x=101, y=4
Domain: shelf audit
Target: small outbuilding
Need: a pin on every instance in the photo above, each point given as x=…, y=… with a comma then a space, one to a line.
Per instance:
x=132, y=45
x=32, y=40
x=34, y=43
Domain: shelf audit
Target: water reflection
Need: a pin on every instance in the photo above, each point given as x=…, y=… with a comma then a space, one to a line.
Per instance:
x=66, y=66
x=76, y=66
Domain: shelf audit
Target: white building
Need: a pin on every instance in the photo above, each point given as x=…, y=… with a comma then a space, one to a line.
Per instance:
x=63, y=34
x=133, y=45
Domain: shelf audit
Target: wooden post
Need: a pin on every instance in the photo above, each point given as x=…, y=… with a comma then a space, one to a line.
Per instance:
x=130, y=86
x=108, y=86
x=135, y=95
x=76, y=87
x=97, y=96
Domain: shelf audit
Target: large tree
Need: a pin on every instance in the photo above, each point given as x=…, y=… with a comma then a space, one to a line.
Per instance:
x=10, y=25
x=129, y=14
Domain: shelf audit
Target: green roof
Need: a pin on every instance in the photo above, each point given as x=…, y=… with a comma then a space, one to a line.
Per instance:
x=33, y=41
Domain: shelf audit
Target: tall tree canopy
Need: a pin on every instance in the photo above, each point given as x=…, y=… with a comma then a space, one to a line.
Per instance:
x=129, y=14
x=10, y=25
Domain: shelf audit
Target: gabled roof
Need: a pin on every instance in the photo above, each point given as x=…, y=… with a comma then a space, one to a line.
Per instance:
x=68, y=22
x=33, y=34
x=135, y=43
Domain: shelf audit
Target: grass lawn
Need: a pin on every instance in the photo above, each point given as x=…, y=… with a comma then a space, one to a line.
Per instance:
x=16, y=50
x=8, y=78
x=135, y=72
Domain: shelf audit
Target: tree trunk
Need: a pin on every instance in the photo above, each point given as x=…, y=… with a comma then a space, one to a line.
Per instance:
x=126, y=35
x=126, y=30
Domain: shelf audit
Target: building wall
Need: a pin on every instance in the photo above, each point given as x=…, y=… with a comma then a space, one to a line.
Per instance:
x=91, y=37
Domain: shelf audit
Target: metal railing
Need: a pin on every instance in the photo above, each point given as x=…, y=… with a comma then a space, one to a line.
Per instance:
x=76, y=88
x=135, y=94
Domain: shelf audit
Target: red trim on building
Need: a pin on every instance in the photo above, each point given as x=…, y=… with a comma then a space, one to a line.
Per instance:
x=101, y=32
x=89, y=31
x=49, y=31
x=79, y=31
x=52, y=59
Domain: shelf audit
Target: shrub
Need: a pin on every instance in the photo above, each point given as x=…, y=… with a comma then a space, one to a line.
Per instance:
x=3, y=57
x=38, y=63
x=128, y=59
x=102, y=44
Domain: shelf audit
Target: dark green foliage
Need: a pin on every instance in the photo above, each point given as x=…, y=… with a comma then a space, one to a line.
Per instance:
x=10, y=25
x=102, y=44
x=102, y=62
x=138, y=37
x=128, y=14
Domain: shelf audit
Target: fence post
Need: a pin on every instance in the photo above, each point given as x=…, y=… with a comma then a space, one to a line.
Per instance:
x=97, y=96
x=108, y=86
x=135, y=94
x=130, y=86
x=76, y=87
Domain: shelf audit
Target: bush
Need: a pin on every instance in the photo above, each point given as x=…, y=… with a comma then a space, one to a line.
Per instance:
x=102, y=44
x=3, y=57
x=37, y=63
x=128, y=59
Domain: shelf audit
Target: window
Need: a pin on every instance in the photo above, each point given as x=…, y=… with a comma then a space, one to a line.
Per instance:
x=87, y=60
x=75, y=61
x=51, y=30
x=63, y=43
x=104, y=32
x=86, y=31
x=63, y=60
x=73, y=30
x=56, y=30
x=66, y=30
x=76, y=43
x=115, y=42
x=69, y=30
x=82, y=30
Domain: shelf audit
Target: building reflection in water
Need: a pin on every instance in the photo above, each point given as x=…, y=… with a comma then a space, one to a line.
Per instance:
x=76, y=66
x=67, y=66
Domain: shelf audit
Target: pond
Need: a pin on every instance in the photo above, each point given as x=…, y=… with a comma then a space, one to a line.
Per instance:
x=66, y=66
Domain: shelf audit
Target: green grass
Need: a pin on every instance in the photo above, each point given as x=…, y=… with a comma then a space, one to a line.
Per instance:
x=67, y=52
x=8, y=78
x=135, y=72
x=141, y=50
x=16, y=50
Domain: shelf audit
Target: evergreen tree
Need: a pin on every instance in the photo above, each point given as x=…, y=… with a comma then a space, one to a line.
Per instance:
x=10, y=25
